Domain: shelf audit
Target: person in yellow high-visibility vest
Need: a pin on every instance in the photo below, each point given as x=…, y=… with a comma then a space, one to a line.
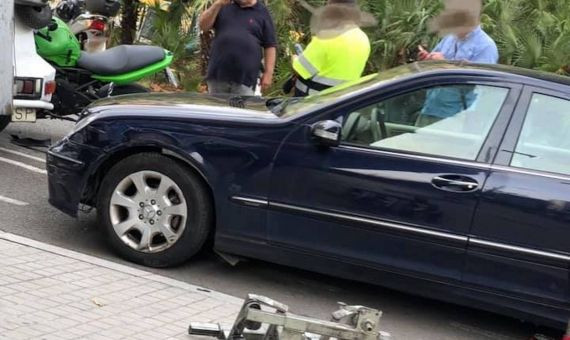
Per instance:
x=338, y=51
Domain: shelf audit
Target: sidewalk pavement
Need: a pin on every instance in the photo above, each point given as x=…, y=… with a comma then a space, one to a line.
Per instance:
x=47, y=292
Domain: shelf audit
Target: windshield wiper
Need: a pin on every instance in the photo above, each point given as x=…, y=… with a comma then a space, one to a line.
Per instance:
x=280, y=108
x=272, y=103
x=237, y=101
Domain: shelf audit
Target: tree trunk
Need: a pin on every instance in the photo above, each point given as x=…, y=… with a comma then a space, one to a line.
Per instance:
x=129, y=21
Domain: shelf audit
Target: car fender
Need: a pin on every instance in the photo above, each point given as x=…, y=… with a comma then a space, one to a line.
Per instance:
x=161, y=144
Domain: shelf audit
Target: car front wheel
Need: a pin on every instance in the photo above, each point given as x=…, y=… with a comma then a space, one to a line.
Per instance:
x=154, y=211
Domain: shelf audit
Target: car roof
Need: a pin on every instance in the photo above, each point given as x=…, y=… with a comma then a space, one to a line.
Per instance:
x=510, y=73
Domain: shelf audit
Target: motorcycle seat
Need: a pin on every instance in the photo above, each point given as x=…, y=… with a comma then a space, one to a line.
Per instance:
x=120, y=59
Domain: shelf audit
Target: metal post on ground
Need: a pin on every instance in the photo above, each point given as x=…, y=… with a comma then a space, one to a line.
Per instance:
x=6, y=56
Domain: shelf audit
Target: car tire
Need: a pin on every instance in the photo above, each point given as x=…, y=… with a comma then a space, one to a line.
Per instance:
x=4, y=121
x=188, y=185
x=35, y=17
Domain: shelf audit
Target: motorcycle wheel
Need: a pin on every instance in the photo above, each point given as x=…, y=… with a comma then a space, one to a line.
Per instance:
x=129, y=89
x=34, y=17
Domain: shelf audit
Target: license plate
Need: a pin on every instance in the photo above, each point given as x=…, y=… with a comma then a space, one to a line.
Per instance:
x=24, y=114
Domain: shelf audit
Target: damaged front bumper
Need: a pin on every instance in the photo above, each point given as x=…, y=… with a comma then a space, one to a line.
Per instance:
x=66, y=176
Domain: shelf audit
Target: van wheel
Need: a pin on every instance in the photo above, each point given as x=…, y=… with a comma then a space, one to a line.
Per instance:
x=34, y=17
x=4, y=121
x=154, y=211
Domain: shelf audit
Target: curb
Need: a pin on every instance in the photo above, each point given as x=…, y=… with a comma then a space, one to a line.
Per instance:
x=118, y=267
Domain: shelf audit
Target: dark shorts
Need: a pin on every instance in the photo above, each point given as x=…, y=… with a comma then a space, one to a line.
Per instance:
x=228, y=87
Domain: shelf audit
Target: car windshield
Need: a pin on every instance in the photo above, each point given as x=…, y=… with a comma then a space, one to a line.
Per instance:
x=294, y=106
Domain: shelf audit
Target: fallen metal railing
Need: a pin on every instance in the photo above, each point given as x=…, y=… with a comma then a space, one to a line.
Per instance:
x=262, y=318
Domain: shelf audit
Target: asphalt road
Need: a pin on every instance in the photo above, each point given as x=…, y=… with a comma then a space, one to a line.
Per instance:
x=25, y=211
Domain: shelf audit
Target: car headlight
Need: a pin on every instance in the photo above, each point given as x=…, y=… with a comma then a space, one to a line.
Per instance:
x=79, y=126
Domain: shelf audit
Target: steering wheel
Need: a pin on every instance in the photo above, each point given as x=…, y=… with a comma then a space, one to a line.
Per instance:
x=378, y=124
x=350, y=125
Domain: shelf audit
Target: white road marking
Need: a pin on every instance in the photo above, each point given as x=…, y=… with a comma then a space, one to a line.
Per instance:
x=25, y=155
x=12, y=201
x=24, y=165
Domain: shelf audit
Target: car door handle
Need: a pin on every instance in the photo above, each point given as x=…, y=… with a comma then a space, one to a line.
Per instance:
x=456, y=183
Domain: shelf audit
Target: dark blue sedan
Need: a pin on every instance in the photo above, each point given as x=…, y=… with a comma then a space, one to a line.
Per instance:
x=444, y=180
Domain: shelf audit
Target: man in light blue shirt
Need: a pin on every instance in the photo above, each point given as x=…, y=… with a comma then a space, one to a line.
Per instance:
x=468, y=42
x=475, y=46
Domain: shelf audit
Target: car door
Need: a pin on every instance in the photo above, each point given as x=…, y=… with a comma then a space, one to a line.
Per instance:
x=394, y=195
x=520, y=240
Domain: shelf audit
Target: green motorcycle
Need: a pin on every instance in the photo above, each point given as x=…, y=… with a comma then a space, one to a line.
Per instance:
x=82, y=78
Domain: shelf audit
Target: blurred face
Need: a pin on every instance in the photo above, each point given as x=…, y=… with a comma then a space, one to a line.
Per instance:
x=463, y=32
x=457, y=22
x=341, y=2
x=245, y=3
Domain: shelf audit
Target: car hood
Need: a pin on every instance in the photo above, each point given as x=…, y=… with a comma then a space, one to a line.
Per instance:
x=184, y=104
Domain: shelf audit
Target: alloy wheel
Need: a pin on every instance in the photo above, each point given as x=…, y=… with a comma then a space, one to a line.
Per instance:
x=148, y=211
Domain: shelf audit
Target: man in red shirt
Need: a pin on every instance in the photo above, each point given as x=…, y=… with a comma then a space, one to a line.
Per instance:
x=243, y=30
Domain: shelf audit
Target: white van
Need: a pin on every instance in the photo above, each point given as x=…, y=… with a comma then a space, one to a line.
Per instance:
x=6, y=65
x=34, y=78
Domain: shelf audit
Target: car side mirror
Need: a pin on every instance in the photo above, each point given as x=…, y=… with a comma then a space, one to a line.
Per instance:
x=327, y=132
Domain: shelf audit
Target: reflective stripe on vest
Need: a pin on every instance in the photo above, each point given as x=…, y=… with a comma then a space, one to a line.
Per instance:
x=310, y=86
x=327, y=81
x=307, y=65
x=304, y=88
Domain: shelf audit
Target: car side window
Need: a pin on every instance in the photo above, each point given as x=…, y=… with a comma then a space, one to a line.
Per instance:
x=544, y=142
x=444, y=121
